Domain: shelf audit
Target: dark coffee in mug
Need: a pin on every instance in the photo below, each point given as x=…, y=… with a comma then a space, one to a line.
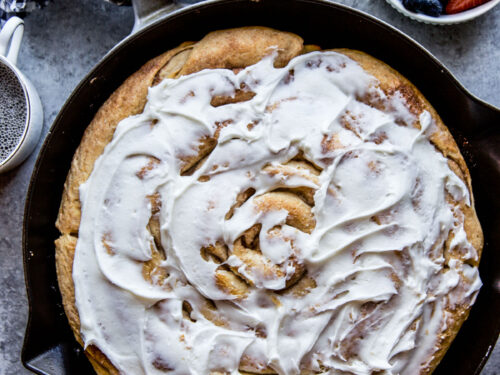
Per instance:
x=13, y=111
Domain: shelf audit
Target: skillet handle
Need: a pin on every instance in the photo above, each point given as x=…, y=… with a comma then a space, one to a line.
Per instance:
x=485, y=145
x=148, y=11
x=483, y=113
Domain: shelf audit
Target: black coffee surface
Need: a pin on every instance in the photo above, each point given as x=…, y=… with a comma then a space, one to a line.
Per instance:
x=13, y=111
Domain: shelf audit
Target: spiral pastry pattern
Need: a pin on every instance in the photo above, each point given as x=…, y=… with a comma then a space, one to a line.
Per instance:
x=290, y=220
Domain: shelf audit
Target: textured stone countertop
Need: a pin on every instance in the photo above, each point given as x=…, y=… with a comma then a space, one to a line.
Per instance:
x=66, y=39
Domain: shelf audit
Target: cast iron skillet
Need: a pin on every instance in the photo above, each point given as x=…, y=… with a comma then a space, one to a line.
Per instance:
x=49, y=346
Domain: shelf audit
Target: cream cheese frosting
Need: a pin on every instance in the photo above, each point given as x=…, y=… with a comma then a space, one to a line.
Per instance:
x=374, y=251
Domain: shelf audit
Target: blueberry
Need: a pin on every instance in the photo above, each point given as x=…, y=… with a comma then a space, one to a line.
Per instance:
x=430, y=7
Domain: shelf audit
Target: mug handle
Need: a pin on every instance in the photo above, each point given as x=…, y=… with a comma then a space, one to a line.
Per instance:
x=10, y=38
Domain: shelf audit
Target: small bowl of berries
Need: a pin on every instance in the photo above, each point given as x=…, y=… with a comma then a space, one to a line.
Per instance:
x=443, y=12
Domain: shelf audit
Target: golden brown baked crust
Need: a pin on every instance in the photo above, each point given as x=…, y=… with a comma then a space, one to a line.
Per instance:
x=233, y=49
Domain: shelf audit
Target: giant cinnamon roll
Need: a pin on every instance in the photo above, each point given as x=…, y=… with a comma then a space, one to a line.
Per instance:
x=246, y=204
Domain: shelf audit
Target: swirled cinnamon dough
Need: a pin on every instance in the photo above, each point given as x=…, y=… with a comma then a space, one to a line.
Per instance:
x=267, y=208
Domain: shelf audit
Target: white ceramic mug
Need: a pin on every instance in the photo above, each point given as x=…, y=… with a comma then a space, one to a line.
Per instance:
x=21, y=114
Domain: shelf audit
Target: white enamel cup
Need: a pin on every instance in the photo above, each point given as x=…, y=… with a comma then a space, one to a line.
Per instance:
x=10, y=41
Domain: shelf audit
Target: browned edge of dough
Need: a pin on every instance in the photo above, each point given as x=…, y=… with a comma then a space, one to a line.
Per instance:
x=234, y=48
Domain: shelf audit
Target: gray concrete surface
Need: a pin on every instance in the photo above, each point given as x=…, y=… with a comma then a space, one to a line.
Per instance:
x=66, y=39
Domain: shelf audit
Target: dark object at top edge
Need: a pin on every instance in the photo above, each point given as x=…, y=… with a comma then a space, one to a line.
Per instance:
x=121, y=2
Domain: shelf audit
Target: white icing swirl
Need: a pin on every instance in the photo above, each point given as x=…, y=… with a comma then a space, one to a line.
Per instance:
x=375, y=253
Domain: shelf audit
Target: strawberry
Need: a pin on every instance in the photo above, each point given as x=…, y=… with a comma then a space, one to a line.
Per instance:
x=457, y=6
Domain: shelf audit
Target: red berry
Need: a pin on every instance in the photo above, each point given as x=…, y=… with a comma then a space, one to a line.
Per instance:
x=457, y=6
